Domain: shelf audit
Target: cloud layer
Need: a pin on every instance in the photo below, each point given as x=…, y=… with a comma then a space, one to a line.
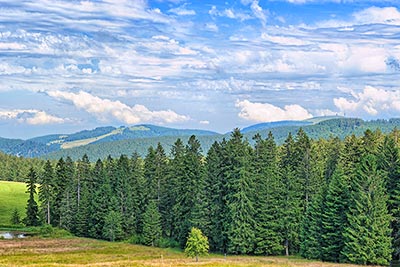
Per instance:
x=187, y=62
x=30, y=116
x=265, y=112
x=106, y=109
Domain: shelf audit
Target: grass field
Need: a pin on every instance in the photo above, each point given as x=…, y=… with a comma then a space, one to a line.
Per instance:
x=12, y=194
x=73, y=252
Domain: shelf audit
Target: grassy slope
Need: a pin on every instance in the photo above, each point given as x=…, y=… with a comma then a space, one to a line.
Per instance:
x=87, y=252
x=12, y=194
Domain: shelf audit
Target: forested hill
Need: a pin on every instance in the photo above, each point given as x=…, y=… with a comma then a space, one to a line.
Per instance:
x=104, y=141
x=315, y=128
x=43, y=145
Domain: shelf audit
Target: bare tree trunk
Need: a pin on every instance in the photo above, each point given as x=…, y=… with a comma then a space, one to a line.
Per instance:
x=48, y=212
x=287, y=247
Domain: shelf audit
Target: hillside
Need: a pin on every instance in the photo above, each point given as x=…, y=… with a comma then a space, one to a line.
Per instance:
x=103, y=141
x=331, y=127
x=43, y=145
x=12, y=195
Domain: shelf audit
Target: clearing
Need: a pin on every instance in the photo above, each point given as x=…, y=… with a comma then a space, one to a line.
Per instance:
x=73, y=252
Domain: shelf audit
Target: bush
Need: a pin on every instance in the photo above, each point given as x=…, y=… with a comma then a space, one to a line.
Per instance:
x=53, y=232
x=168, y=243
x=136, y=239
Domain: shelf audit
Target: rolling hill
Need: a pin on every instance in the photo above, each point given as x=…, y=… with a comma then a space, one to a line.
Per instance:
x=103, y=141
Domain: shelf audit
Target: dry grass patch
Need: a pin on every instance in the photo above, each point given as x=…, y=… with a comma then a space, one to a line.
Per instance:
x=78, y=252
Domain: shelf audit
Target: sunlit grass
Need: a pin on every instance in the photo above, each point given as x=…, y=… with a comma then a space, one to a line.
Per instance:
x=12, y=195
x=87, y=252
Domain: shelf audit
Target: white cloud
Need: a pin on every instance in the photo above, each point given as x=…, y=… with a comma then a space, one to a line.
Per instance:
x=30, y=116
x=371, y=15
x=204, y=122
x=283, y=40
x=259, y=12
x=370, y=102
x=265, y=112
x=106, y=109
x=182, y=11
x=229, y=13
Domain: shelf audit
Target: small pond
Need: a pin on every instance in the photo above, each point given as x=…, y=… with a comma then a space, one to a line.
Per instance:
x=11, y=235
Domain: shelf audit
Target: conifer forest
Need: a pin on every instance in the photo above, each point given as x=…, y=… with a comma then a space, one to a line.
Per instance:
x=329, y=199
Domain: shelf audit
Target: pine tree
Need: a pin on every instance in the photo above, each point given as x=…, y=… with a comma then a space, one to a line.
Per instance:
x=310, y=234
x=197, y=244
x=240, y=196
x=176, y=172
x=291, y=198
x=152, y=224
x=46, y=192
x=367, y=236
x=389, y=161
x=112, y=229
x=32, y=209
x=334, y=217
x=216, y=191
x=190, y=204
x=267, y=213
x=65, y=172
x=15, y=217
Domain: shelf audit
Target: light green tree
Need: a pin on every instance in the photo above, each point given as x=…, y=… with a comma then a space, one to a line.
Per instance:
x=197, y=244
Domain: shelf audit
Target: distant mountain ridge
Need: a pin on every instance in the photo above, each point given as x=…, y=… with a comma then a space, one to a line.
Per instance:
x=103, y=141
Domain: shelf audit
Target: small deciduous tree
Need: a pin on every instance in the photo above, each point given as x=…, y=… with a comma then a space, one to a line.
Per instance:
x=197, y=244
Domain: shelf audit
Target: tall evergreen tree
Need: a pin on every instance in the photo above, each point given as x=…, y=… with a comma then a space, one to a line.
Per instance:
x=267, y=212
x=32, y=209
x=176, y=172
x=47, y=192
x=65, y=172
x=152, y=225
x=389, y=161
x=334, y=217
x=367, y=236
x=240, y=196
x=291, y=203
x=216, y=191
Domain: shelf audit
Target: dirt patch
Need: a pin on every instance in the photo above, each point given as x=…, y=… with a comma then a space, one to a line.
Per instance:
x=41, y=246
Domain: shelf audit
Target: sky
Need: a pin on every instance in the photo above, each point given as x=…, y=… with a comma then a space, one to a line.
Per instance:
x=69, y=65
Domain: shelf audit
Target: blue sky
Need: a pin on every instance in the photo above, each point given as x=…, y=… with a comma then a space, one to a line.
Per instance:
x=72, y=65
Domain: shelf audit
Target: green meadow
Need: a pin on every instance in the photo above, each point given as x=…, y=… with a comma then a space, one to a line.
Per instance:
x=12, y=195
x=74, y=252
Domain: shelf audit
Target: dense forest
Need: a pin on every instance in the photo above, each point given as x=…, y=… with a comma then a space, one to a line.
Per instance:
x=329, y=199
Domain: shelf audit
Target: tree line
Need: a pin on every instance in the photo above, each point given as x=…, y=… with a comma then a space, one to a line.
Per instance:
x=329, y=199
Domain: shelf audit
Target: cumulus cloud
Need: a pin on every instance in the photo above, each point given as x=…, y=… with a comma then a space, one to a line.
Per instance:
x=229, y=13
x=182, y=11
x=30, y=116
x=106, y=109
x=371, y=15
x=265, y=112
x=370, y=102
x=204, y=122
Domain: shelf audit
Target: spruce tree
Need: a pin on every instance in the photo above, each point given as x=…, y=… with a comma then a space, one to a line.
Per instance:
x=216, y=192
x=267, y=212
x=112, y=229
x=15, y=217
x=367, y=237
x=291, y=198
x=47, y=192
x=334, y=217
x=152, y=224
x=240, y=196
x=32, y=209
x=190, y=205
